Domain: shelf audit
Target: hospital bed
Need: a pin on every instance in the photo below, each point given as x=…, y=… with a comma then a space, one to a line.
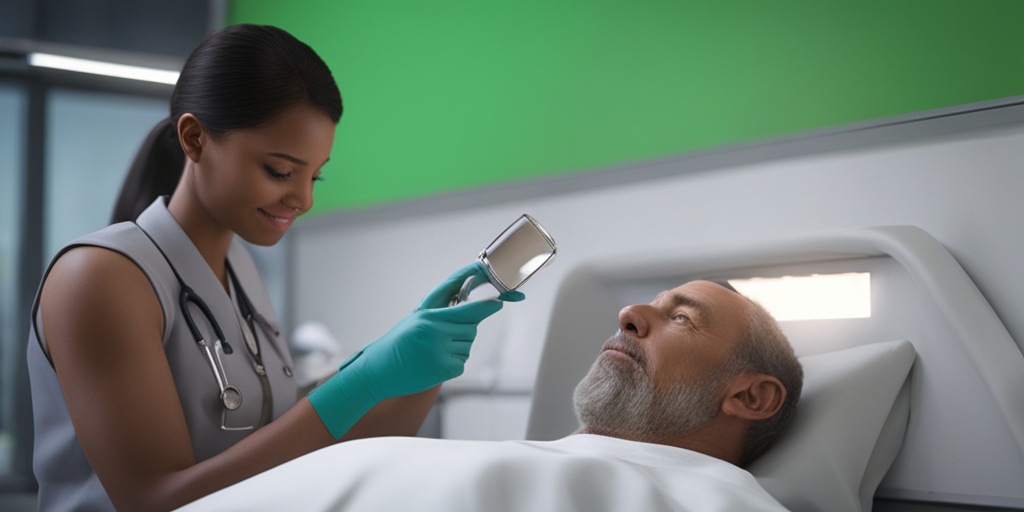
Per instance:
x=916, y=408
x=919, y=407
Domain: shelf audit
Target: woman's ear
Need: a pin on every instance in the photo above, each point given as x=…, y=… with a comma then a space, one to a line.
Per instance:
x=754, y=396
x=191, y=136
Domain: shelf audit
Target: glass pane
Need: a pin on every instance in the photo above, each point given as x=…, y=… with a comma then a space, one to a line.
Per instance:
x=13, y=104
x=91, y=140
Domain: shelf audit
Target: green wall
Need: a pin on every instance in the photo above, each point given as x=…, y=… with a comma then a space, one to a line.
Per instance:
x=442, y=95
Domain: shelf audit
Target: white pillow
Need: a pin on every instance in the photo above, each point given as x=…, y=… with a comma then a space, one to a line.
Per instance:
x=847, y=431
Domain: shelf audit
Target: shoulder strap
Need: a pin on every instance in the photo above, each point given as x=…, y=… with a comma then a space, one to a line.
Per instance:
x=127, y=239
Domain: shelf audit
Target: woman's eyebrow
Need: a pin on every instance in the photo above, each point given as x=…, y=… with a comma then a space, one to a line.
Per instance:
x=294, y=159
x=290, y=158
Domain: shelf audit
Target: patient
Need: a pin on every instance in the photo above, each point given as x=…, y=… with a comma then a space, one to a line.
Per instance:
x=692, y=387
x=701, y=367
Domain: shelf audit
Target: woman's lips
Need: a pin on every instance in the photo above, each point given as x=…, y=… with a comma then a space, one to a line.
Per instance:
x=280, y=222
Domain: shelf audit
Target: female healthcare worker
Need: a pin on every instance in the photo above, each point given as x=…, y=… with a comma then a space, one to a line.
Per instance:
x=158, y=370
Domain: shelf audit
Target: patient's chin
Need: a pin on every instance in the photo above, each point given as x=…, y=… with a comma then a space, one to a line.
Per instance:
x=619, y=400
x=610, y=399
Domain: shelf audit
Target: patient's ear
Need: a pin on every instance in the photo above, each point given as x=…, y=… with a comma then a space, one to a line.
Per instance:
x=754, y=396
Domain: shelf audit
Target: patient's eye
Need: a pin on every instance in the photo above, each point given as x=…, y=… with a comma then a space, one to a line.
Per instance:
x=681, y=318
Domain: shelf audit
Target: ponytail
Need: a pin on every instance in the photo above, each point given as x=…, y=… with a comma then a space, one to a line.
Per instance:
x=154, y=172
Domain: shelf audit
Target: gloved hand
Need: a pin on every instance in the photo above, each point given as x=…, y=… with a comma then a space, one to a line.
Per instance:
x=427, y=347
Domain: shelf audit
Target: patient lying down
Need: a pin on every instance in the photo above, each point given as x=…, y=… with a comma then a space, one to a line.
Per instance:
x=692, y=388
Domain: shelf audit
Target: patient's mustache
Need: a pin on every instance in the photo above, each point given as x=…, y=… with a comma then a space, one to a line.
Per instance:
x=625, y=343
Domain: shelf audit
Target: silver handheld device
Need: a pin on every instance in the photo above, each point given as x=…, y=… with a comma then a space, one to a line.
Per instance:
x=518, y=252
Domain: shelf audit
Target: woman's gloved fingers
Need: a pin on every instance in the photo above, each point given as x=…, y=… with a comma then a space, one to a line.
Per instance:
x=462, y=336
x=482, y=279
x=466, y=313
x=460, y=349
x=442, y=293
x=512, y=296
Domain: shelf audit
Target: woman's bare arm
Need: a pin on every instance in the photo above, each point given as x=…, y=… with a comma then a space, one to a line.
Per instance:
x=103, y=325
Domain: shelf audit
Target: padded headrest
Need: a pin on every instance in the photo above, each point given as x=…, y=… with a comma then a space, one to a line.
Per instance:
x=848, y=428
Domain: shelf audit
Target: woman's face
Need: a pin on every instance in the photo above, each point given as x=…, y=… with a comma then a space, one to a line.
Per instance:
x=256, y=182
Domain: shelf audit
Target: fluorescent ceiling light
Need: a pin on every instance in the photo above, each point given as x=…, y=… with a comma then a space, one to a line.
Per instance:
x=814, y=297
x=95, y=67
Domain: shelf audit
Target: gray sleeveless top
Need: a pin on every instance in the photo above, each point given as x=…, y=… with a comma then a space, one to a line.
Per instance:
x=66, y=479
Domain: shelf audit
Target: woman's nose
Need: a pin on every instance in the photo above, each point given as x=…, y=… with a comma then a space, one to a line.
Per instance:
x=632, y=319
x=300, y=197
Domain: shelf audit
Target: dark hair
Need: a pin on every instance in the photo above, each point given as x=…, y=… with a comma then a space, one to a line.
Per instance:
x=765, y=349
x=241, y=76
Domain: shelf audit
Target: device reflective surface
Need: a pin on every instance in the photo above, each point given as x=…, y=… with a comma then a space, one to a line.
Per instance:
x=518, y=253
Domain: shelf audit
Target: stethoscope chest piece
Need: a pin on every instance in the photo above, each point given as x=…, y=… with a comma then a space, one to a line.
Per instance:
x=231, y=397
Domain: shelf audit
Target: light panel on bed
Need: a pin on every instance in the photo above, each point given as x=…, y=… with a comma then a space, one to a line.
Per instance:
x=813, y=297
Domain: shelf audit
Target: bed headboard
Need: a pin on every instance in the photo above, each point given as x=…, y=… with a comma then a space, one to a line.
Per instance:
x=964, y=441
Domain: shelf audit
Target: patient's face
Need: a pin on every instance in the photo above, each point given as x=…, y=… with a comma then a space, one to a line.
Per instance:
x=664, y=371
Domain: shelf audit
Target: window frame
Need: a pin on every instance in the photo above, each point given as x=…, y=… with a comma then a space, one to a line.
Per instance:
x=38, y=84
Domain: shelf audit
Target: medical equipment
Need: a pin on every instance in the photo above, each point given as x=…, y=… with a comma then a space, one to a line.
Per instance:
x=513, y=257
x=247, y=316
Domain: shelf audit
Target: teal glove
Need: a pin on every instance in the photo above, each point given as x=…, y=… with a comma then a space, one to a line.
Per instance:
x=427, y=347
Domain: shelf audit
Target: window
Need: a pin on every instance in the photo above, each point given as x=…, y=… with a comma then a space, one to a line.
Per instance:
x=82, y=181
x=63, y=154
x=13, y=103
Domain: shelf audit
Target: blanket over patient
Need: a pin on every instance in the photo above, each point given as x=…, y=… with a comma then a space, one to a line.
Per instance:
x=578, y=473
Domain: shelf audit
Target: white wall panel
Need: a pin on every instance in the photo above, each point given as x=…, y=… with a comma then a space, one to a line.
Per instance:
x=959, y=178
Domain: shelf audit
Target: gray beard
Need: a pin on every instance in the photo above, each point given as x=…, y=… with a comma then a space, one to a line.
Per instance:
x=617, y=399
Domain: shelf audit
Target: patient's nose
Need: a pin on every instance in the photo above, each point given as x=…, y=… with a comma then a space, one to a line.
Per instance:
x=631, y=319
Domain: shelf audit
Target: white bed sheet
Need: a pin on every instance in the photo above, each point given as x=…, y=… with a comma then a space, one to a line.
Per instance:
x=577, y=473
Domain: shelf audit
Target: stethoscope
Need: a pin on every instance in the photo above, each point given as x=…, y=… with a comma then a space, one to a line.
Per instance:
x=230, y=395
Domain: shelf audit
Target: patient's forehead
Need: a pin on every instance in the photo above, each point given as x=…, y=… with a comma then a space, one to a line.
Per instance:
x=699, y=288
x=710, y=299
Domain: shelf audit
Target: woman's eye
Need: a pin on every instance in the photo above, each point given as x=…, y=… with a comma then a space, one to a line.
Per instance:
x=276, y=175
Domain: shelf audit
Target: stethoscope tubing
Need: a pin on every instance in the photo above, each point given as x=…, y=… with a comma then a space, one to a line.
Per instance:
x=230, y=396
